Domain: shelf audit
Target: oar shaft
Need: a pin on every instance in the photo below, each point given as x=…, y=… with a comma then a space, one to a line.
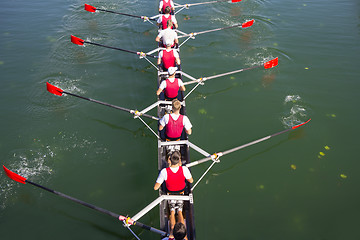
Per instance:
x=246, y=145
x=117, y=216
x=120, y=49
x=217, y=29
x=99, y=102
x=110, y=105
x=124, y=14
x=232, y=72
x=76, y=200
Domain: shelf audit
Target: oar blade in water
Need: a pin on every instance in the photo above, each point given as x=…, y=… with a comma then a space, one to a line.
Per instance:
x=14, y=176
x=77, y=40
x=90, y=8
x=248, y=24
x=54, y=90
x=271, y=63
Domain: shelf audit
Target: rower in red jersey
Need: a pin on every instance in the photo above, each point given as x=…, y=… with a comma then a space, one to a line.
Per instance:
x=163, y=19
x=171, y=85
x=164, y=3
x=168, y=57
x=175, y=177
x=175, y=123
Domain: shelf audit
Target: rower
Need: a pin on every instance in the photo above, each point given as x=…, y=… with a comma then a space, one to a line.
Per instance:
x=175, y=123
x=171, y=85
x=162, y=20
x=164, y=3
x=168, y=34
x=168, y=57
x=175, y=177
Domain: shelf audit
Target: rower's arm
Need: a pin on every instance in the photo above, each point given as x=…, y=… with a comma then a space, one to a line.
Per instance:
x=157, y=186
x=189, y=131
x=190, y=180
x=158, y=93
x=182, y=88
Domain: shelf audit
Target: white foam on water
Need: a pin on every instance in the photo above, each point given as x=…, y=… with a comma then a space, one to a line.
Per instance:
x=27, y=163
x=295, y=112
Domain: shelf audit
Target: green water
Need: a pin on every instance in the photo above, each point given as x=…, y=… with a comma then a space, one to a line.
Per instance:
x=301, y=185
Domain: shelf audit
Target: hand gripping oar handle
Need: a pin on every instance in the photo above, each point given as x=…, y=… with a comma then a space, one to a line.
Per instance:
x=80, y=41
x=216, y=156
x=129, y=221
x=57, y=91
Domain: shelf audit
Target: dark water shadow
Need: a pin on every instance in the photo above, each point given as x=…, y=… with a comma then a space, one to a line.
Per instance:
x=103, y=229
x=142, y=131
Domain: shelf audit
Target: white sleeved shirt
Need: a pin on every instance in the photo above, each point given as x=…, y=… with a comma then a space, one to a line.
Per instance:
x=167, y=34
x=165, y=119
x=163, y=174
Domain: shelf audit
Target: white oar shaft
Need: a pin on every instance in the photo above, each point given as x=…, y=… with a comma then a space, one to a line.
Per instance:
x=192, y=90
x=149, y=127
x=202, y=176
x=246, y=145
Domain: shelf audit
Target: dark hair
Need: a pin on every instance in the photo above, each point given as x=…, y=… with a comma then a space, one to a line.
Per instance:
x=167, y=10
x=179, y=231
x=175, y=157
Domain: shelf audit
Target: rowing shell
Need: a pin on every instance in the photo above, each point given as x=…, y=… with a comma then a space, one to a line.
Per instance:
x=163, y=149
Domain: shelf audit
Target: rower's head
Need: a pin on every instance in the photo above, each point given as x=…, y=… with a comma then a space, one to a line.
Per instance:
x=175, y=157
x=169, y=43
x=172, y=71
x=179, y=231
x=169, y=23
x=167, y=10
x=176, y=105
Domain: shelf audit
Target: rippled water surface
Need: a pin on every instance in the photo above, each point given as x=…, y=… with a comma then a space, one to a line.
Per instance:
x=300, y=185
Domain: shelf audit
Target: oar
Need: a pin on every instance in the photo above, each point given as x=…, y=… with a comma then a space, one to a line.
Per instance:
x=269, y=64
x=127, y=220
x=243, y=25
x=90, y=8
x=215, y=156
x=57, y=91
x=81, y=42
x=201, y=3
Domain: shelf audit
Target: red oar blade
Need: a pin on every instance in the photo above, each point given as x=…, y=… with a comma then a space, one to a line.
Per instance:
x=248, y=24
x=301, y=124
x=14, y=176
x=54, y=90
x=271, y=63
x=90, y=8
x=77, y=40
x=233, y=1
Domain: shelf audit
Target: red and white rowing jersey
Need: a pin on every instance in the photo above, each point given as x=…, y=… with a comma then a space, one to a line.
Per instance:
x=174, y=128
x=172, y=88
x=163, y=4
x=175, y=181
x=168, y=58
